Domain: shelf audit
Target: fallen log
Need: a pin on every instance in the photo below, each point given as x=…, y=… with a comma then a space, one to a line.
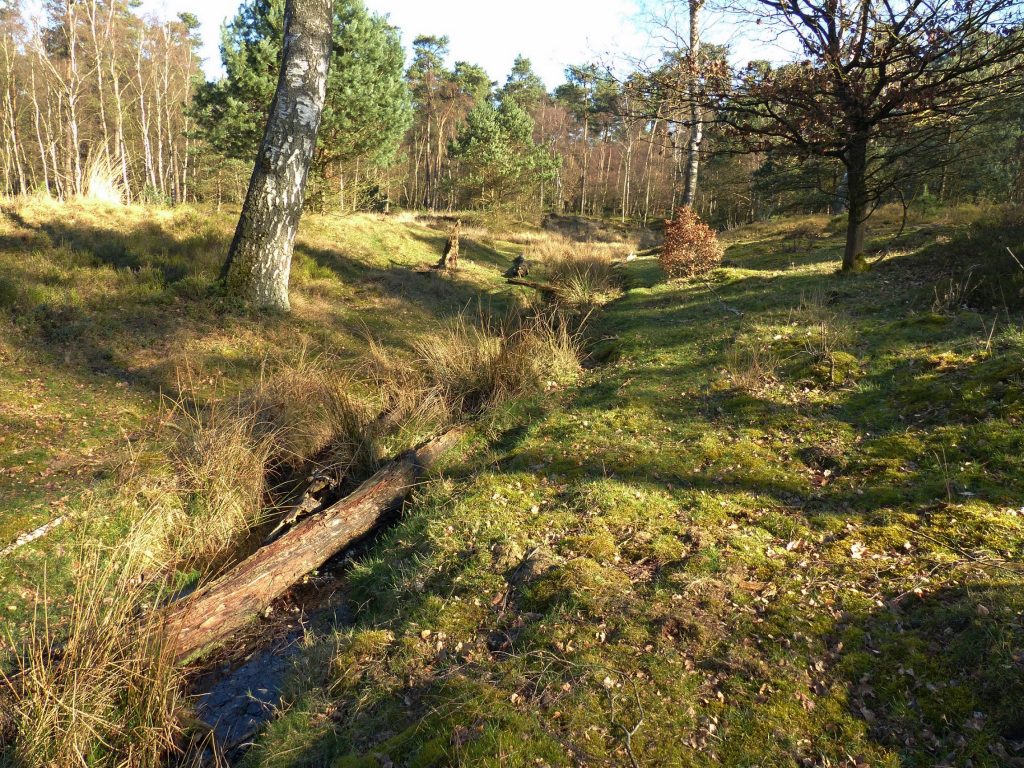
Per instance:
x=215, y=611
x=30, y=536
x=542, y=287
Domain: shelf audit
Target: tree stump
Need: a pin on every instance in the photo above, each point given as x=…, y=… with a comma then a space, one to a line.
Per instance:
x=520, y=267
x=450, y=257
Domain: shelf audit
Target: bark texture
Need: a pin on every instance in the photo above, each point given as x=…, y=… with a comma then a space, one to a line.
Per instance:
x=450, y=257
x=696, y=116
x=218, y=609
x=858, y=202
x=260, y=258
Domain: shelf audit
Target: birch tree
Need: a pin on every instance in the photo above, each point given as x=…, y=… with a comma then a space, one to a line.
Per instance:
x=259, y=261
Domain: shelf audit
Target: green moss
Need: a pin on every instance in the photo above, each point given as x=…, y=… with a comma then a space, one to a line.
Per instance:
x=816, y=565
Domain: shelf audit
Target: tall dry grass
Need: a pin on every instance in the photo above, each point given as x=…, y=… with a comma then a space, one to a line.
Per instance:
x=97, y=687
x=104, y=182
x=470, y=366
x=584, y=272
x=93, y=684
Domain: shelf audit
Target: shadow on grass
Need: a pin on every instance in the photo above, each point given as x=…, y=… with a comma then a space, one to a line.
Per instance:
x=939, y=678
x=106, y=300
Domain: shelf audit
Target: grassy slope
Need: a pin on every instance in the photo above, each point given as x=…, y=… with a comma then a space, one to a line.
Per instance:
x=105, y=312
x=721, y=548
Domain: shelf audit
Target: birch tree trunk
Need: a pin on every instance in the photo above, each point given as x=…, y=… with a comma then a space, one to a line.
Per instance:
x=260, y=258
x=696, y=118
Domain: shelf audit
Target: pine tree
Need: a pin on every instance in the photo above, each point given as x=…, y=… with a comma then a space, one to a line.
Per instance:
x=499, y=166
x=367, y=109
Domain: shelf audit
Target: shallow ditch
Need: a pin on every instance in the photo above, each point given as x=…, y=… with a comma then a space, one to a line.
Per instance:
x=240, y=690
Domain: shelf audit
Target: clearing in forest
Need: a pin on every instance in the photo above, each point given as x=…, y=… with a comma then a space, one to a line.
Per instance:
x=778, y=520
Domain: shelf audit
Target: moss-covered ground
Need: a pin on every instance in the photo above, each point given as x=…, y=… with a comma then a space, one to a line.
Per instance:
x=781, y=523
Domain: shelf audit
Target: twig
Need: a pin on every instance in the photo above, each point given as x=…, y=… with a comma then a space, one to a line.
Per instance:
x=27, y=538
x=628, y=733
x=1014, y=255
x=725, y=306
x=968, y=555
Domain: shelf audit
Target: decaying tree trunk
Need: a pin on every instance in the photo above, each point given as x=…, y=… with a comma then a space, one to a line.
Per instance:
x=260, y=258
x=520, y=267
x=547, y=290
x=450, y=257
x=218, y=609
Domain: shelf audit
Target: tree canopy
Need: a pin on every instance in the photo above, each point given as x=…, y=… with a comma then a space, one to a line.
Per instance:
x=499, y=165
x=879, y=82
x=367, y=110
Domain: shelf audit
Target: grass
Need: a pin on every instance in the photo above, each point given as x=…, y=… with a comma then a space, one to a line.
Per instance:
x=583, y=271
x=816, y=565
x=214, y=437
x=107, y=693
x=106, y=313
x=781, y=524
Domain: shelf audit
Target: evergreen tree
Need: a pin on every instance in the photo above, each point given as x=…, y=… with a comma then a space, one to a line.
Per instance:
x=499, y=165
x=367, y=110
x=523, y=85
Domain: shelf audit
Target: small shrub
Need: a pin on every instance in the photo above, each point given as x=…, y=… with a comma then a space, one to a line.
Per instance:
x=691, y=247
x=751, y=367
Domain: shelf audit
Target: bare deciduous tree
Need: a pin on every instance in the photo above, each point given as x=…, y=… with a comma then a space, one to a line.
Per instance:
x=880, y=81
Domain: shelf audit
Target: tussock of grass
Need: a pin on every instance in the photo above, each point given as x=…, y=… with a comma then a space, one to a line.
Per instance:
x=474, y=366
x=96, y=687
x=583, y=272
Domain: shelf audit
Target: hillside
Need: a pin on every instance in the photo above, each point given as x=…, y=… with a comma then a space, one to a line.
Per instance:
x=776, y=520
x=109, y=325
x=779, y=524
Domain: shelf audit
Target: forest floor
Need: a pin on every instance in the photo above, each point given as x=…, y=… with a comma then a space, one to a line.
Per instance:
x=782, y=523
x=779, y=521
x=110, y=328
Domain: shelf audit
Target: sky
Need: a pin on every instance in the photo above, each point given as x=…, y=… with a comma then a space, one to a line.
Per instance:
x=551, y=33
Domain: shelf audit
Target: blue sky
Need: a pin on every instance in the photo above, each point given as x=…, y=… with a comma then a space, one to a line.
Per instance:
x=551, y=33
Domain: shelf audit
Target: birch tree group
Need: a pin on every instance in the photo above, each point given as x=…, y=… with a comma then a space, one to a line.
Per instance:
x=93, y=101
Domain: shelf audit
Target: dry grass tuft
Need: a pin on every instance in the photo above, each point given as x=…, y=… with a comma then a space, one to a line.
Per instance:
x=302, y=409
x=103, y=182
x=752, y=367
x=98, y=688
x=584, y=272
x=471, y=366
